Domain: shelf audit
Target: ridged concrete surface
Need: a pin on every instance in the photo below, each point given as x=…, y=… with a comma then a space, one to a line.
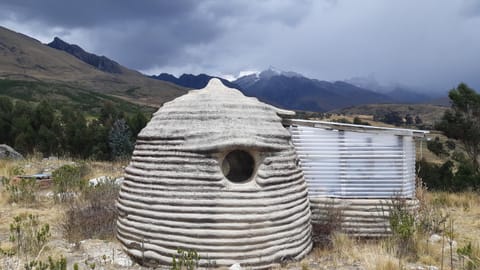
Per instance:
x=176, y=196
x=358, y=217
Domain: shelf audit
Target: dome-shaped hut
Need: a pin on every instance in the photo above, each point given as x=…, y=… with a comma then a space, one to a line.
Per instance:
x=215, y=172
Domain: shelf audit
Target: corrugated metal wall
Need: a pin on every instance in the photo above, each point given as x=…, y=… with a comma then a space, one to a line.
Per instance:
x=349, y=164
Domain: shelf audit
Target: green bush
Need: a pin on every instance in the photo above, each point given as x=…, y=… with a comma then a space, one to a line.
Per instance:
x=22, y=191
x=187, y=259
x=68, y=182
x=402, y=224
x=434, y=176
x=466, y=178
x=60, y=264
x=436, y=147
x=27, y=234
x=469, y=256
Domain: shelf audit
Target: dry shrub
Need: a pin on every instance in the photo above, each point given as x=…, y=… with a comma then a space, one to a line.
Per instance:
x=343, y=245
x=324, y=228
x=370, y=253
x=387, y=263
x=93, y=215
x=465, y=200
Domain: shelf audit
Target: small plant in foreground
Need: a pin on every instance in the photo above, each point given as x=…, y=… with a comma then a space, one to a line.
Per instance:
x=187, y=259
x=60, y=264
x=470, y=256
x=402, y=224
x=27, y=234
x=21, y=190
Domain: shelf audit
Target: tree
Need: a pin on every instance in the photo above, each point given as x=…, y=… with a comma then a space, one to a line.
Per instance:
x=393, y=118
x=44, y=115
x=98, y=134
x=436, y=147
x=409, y=120
x=119, y=140
x=6, y=108
x=462, y=121
x=418, y=120
x=137, y=122
x=46, y=141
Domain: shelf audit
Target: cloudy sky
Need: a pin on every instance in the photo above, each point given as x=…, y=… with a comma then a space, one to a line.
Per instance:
x=430, y=44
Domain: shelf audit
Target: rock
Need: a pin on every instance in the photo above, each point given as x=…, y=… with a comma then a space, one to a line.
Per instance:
x=431, y=267
x=104, y=179
x=7, y=152
x=235, y=266
x=104, y=252
x=435, y=238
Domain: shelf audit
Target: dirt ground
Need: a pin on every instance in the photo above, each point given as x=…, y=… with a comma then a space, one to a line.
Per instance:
x=460, y=211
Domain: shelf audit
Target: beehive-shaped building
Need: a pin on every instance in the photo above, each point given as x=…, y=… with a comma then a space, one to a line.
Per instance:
x=215, y=172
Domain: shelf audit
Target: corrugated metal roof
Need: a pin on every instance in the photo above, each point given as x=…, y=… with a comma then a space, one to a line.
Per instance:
x=356, y=128
x=354, y=161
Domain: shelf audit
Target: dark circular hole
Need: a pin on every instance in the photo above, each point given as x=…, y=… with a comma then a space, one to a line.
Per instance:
x=238, y=166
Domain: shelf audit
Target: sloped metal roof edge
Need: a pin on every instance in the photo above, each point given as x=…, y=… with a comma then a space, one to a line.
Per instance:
x=357, y=128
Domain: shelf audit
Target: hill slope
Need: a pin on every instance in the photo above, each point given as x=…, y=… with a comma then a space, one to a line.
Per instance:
x=24, y=58
x=61, y=95
x=427, y=112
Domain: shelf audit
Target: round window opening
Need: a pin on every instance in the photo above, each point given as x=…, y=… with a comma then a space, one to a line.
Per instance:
x=238, y=166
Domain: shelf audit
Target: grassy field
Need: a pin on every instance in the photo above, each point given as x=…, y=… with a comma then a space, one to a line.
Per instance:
x=451, y=220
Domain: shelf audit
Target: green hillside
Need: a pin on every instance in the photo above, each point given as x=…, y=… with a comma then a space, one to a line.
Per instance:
x=68, y=96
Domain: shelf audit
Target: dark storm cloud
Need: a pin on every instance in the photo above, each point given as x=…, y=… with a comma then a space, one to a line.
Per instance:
x=94, y=13
x=144, y=34
x=429, y=43
x=137, y=33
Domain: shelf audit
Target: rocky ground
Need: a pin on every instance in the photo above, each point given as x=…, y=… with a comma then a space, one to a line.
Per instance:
x=460, y=211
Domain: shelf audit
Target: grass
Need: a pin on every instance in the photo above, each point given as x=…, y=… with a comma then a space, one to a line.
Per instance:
x=344, y=252
x=462, y=210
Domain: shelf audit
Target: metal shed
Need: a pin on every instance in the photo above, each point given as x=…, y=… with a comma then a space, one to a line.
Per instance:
x=356, y=170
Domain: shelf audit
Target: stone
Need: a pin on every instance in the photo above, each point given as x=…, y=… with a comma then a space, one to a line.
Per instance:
x=7, y=152
x=235, y=266
x=105, y=179
x=435, y=238
x=215, y=172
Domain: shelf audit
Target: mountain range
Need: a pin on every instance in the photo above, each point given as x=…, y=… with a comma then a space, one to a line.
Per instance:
x=60, y=63
x=26, y=59
x=294, y=91
x=100, y=62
